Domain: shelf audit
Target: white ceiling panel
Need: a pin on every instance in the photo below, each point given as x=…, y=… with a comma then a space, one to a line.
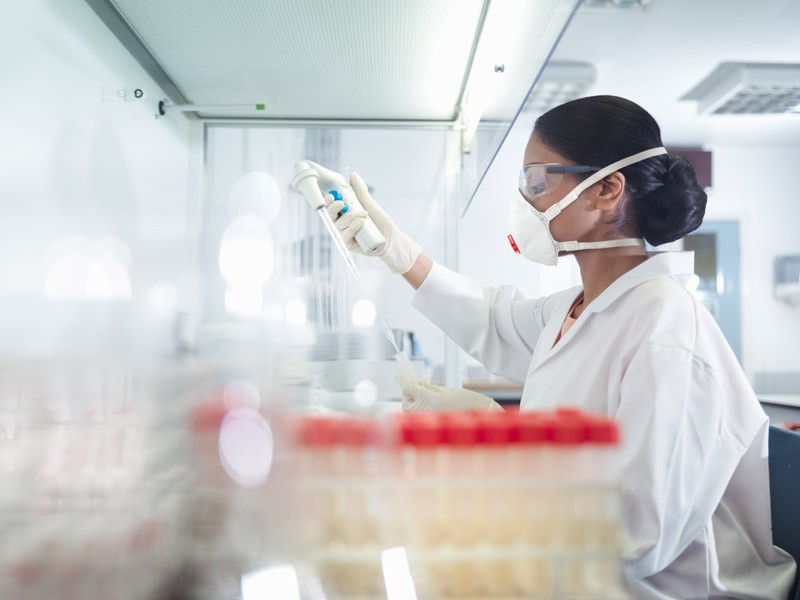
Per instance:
x=657, y=56
x=343, y=59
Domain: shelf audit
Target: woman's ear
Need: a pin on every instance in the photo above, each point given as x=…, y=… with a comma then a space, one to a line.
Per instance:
x=610, y=191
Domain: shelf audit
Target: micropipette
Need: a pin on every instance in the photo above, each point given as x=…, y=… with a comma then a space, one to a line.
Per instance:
x=310, y=179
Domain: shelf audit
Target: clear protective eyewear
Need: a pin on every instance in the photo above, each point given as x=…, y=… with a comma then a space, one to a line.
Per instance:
x=538, y=179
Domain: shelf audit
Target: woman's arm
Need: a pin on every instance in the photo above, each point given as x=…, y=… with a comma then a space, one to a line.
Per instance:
x=419, y=271
x=497, y=326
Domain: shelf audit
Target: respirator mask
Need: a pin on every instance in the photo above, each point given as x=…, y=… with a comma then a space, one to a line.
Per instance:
x=530, y=228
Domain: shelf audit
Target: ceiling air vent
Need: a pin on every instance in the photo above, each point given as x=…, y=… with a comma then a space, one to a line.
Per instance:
x=615, y=5
x=559, y=82
x=748, y=89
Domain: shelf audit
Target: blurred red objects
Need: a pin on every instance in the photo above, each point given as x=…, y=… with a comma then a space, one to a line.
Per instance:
x=208, y=415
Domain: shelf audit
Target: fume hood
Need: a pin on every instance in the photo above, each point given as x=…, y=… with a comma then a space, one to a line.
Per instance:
x=452, y=64
x=134, y=320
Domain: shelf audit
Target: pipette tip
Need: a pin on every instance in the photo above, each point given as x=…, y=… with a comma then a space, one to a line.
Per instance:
x=406, y=370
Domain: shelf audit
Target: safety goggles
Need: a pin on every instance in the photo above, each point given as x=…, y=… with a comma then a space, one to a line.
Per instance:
x=538, y=179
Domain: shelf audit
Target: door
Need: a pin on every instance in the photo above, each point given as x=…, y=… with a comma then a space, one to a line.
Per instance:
x=716, y=248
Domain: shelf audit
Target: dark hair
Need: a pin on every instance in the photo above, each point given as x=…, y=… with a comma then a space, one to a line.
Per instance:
x=599, y=130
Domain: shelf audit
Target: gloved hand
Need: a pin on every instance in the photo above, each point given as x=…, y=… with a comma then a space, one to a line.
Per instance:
x=418, y=394
x=400, y=251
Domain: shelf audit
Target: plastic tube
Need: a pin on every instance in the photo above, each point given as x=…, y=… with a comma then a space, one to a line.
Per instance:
x=406, y=370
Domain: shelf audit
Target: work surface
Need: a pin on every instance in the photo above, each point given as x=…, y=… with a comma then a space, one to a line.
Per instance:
x=780, y=408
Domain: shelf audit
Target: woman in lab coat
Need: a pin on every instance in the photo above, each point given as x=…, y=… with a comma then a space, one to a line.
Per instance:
x=632, y=343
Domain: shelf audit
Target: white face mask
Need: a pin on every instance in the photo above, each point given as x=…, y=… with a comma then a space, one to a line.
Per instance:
x=530, y=228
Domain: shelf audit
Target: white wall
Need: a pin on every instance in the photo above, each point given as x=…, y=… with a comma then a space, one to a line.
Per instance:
x=757, y=185
x=75, y=160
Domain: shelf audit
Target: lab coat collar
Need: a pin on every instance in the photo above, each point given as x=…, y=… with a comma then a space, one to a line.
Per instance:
x=679, y=265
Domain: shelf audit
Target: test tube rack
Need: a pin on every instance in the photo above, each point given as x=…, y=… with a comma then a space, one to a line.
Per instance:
x=482, y=505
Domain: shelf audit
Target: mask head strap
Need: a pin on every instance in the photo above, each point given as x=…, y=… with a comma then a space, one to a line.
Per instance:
x=575, y=246
x=556, y=209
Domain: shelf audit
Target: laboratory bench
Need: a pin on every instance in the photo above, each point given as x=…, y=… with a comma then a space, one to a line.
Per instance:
x=504, y=393
x=780, y=408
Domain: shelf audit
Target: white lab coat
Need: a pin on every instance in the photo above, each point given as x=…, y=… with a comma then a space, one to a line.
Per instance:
x=694, y=451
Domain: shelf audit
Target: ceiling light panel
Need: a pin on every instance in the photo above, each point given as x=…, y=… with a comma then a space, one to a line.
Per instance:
x=615, y=5
x=348, y=59
x=748, y=89
x=560, y=82
x=762, y=99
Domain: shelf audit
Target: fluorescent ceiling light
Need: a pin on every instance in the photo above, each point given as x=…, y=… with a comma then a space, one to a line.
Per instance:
x=615, y=5
x=748, y=89
x=514, y=41
x=560, y=82
x=494, y=46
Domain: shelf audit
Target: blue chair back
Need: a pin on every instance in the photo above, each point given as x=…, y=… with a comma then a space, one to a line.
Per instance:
x=784, y=489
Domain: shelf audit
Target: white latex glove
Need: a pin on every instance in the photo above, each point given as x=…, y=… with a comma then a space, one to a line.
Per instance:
x=418, y=394
x=400, y=251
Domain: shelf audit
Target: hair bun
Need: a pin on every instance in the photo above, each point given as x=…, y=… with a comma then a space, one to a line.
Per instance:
x=680, y=172
x=674, y=209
